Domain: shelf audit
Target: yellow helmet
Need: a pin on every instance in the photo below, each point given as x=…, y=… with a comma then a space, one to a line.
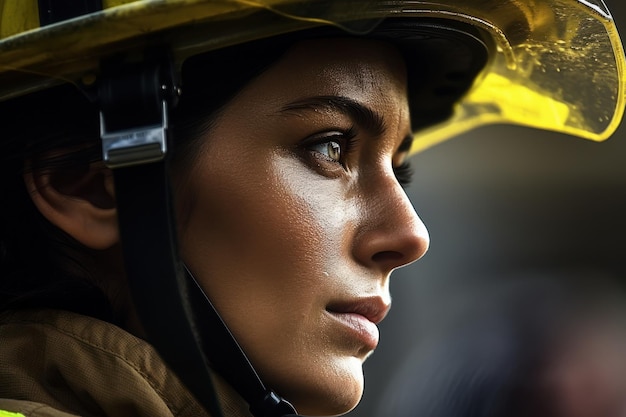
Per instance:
x=555, y=65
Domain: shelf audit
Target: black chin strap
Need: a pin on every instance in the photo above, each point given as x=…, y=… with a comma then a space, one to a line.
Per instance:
x=234, y=365
x=178, y=318
x=158, y=284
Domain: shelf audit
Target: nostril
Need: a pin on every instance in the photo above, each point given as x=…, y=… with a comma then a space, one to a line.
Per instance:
x=387, y=256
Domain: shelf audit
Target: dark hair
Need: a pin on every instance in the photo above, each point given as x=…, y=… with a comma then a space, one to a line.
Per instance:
x=57, y=130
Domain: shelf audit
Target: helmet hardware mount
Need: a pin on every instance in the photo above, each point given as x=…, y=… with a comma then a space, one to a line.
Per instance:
x=134, y=100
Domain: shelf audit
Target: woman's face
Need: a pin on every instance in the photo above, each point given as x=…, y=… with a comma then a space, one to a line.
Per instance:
x=292, y=218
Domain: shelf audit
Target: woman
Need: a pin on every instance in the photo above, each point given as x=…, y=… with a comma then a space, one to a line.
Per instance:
x=260, y=275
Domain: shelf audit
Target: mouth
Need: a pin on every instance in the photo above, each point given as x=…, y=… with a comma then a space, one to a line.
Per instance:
x=360, y=318
x=374, y=309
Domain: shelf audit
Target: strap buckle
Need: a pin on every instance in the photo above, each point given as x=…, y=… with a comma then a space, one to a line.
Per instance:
x=129, y=147
x=134, y=99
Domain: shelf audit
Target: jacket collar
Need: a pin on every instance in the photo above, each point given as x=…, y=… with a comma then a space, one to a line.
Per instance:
x=84, y=366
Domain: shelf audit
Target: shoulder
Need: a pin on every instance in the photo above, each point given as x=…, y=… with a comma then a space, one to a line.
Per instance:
x=18, y=408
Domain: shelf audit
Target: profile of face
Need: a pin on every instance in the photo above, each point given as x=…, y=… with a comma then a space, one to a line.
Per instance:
x=292, y=218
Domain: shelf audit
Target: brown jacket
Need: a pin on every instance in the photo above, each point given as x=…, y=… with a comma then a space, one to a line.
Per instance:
x=60, y=364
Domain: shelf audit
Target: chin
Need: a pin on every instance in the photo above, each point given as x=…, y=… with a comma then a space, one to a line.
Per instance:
x=330, y=392
x=331, y=407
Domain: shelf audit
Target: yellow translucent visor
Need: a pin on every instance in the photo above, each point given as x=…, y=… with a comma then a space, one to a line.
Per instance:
x=557, y=64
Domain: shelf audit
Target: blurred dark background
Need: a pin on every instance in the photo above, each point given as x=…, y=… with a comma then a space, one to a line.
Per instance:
x=511, y=211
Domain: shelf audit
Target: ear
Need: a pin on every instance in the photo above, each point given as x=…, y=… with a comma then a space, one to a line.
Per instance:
x=79, y=202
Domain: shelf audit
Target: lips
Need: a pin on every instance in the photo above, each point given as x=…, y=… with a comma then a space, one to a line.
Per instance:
x=373, y=309
x=359, y=318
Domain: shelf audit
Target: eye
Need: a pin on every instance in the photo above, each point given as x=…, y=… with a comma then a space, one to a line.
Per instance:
x=333, y=146
x=331, y=149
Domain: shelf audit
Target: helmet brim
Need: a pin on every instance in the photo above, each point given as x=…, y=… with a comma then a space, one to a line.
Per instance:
x=557, y=65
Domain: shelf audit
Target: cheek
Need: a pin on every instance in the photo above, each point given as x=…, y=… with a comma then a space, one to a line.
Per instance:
x=267, y=252
x=275, y=227
x=323, y=209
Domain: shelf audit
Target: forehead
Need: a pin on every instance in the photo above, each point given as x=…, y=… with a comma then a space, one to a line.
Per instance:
x=357, y=68
x=312, y=76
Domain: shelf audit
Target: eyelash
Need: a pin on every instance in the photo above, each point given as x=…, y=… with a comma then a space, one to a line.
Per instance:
x=404, y=174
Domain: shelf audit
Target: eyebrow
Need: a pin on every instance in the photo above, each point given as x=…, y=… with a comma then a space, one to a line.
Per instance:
x=364, y=116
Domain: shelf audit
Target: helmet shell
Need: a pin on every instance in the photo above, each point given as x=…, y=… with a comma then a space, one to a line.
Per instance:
x=555, y=65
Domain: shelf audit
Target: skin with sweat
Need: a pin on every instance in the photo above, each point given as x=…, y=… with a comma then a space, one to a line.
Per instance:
x=292, y=217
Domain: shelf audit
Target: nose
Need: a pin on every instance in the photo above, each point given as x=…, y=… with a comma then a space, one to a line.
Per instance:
x=391, y=233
